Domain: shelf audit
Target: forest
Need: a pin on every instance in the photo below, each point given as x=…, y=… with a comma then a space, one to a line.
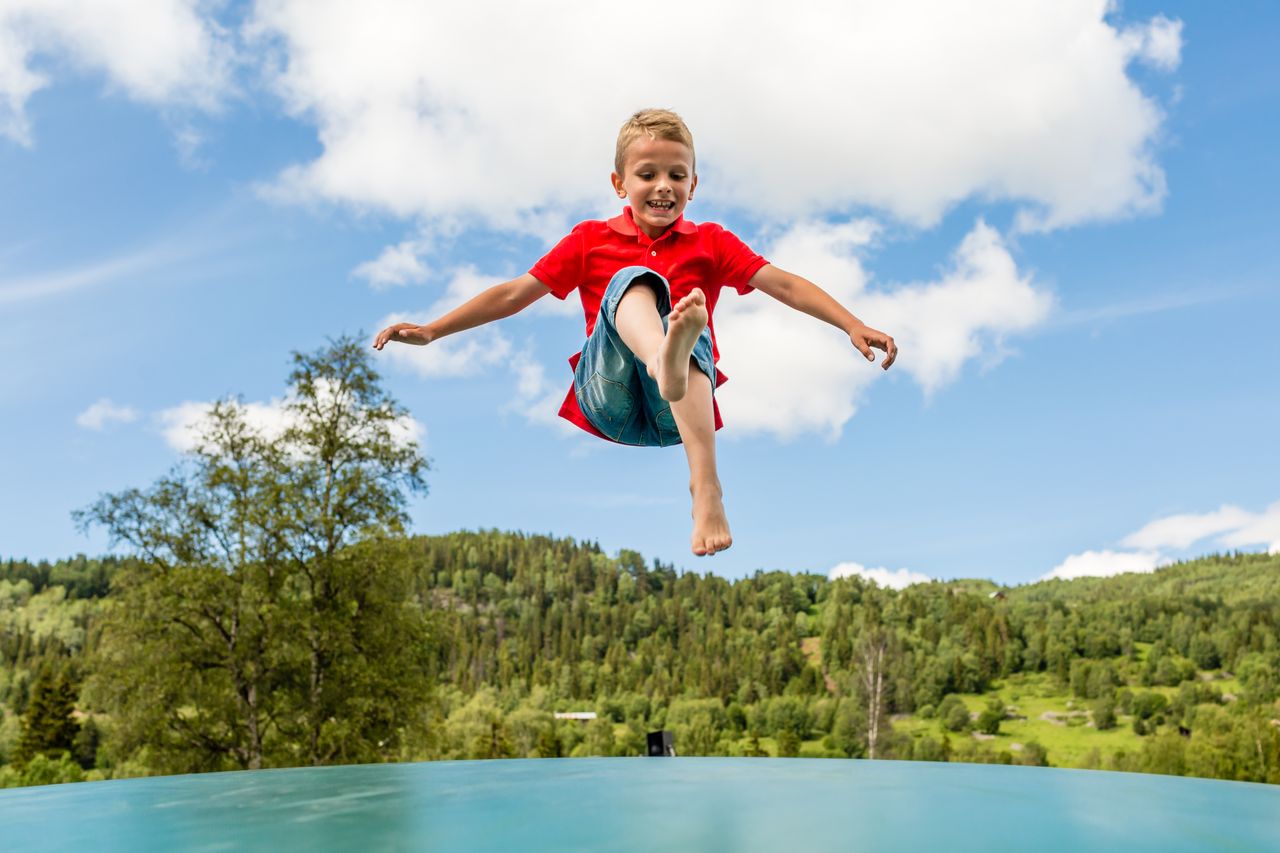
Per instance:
x=1170, y=672
x=267, y=607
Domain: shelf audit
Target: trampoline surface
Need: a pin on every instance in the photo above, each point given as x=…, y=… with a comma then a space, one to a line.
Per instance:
x=618, y=804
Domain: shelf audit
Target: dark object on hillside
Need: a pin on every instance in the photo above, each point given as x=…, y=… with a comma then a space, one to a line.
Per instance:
x=662, y=744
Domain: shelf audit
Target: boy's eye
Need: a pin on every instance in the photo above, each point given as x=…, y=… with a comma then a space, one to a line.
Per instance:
x=645, y=176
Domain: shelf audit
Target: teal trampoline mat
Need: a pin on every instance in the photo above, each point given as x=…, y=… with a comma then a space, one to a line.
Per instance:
x=650, y=804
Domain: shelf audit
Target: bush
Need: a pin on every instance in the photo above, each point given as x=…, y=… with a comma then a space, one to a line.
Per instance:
x=42, y=770
x=1033, y=755
x=989, y=719
x=788, y=743
x=1104, y=714
x=1147, y=705
x=928, y=749
x=953, y=714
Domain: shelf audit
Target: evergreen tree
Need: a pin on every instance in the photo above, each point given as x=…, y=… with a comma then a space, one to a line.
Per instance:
x=48, y=727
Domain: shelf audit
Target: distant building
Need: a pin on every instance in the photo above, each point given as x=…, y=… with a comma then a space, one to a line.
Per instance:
x=582, y=716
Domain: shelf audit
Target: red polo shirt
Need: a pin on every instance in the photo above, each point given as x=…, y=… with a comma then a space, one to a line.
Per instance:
x=687, y=255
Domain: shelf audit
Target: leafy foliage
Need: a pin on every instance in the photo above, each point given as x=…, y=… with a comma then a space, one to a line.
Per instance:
x=266, y=619
x=273, y=613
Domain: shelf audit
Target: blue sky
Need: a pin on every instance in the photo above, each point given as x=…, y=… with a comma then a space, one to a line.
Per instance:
x=1064, y=213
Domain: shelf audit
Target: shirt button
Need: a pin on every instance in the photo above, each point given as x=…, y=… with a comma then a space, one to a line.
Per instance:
x=654, y=253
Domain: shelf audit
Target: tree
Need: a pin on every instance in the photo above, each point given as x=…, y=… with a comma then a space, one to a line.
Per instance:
x=953, y=713
x=47, y=727
x=788, y=743
x=873, y=653
x=265, y=622
x=1104, y=714
x=989, y=719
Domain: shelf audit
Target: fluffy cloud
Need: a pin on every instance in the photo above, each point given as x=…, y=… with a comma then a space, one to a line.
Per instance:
x=791, y=374
x=463, y=354
x=103, y=412
x=182, y=425
x=1157, y=43
x=398, y=264
x=163, y=52
x=1234, y=528
x=943, y=324
x=498, y=111
x=899, y=579
x=1105, y=564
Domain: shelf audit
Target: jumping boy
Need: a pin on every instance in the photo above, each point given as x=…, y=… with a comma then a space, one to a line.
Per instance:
x=649, y=281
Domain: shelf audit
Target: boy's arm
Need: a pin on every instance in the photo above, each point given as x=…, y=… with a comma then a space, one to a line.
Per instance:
x=501, y=300
x=803, y=295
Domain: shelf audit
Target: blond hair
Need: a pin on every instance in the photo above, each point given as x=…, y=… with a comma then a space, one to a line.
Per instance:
x=655, y=124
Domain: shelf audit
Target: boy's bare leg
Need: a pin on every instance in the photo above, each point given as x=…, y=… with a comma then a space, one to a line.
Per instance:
x=640, y=328
x=665, y=355
x=696, y=421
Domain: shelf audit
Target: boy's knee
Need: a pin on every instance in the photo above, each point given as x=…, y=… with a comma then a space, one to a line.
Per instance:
x=647, y=284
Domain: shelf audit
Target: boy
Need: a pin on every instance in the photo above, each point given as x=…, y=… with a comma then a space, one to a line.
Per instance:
x=649, y=281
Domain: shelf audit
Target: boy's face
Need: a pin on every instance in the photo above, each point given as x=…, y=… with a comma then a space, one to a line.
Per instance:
x=657, y=181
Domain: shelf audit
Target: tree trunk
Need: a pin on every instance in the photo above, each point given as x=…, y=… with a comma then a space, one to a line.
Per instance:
x=872, y=654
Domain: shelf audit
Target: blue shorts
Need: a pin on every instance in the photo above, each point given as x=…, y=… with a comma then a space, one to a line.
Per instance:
x=614, y=389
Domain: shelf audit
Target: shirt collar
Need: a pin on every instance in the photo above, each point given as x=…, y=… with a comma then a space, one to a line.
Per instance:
x=623, y=223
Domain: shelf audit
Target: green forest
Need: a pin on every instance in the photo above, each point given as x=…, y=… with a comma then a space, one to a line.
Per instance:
x=272, y=610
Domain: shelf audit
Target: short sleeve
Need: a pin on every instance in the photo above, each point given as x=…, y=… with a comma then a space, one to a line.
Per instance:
x=561, y=268
x=737, y=263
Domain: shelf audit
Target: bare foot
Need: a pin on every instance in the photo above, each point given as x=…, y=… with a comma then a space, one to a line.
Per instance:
x=684, y=324
x=710, y=526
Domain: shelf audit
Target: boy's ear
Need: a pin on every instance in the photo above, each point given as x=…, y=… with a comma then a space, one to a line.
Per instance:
x=617, y=184
x=693, y=186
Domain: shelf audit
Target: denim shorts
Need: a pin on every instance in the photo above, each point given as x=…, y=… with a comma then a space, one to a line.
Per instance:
x=614, y=389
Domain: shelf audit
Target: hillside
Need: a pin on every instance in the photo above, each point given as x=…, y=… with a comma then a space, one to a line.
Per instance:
x=1166, y=672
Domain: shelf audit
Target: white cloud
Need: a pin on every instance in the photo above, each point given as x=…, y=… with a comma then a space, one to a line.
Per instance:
x=538, y=399
x=791, y=374
x=943, y=324
x=96, y=273
x=399, y=264
x=1105, y=564
x=899, y=579
x=1234, y=528
x=909, y=107
x=162, y=52
x=461, y=354
x=1257, y=529
x=1180, y=531
x=1158, y=42
x=182, y=425
x=103, y=412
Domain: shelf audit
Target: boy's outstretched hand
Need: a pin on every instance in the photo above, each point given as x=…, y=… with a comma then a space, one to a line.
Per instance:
x=865, y=337
x=405, y=333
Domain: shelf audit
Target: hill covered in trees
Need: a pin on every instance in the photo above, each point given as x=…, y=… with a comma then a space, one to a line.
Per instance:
x=1171, y=672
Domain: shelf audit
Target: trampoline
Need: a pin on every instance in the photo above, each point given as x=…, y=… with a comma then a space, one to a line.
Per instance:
x=624, y=804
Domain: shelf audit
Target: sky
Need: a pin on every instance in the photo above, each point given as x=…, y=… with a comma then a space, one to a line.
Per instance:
x=1064, y=212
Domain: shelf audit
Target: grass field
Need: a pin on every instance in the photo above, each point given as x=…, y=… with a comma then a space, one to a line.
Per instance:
x=1039, y=710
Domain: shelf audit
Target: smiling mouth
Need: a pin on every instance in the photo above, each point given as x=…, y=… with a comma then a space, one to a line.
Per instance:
x=661, y=206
